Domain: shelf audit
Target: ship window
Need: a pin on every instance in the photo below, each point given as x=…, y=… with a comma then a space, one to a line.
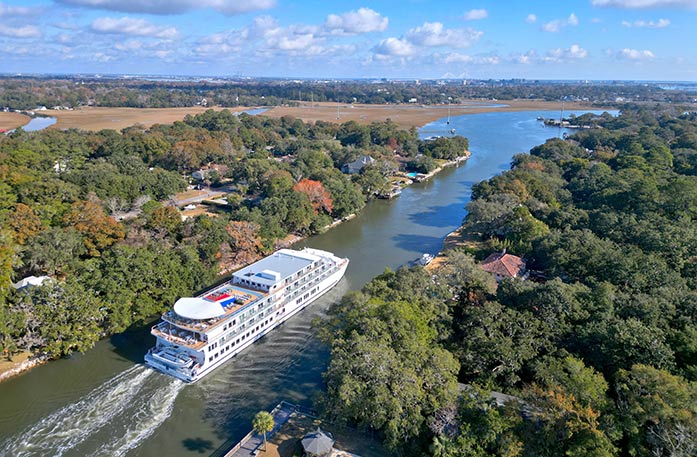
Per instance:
x=227, y=348
x=210, y=359
x=257, y=329
x=238, y=340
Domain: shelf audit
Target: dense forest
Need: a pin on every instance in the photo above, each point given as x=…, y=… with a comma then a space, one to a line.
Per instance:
x=28, y=93
x=597, y=350
x=93, y=212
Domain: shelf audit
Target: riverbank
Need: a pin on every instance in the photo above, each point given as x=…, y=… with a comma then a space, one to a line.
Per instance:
x=24, y=361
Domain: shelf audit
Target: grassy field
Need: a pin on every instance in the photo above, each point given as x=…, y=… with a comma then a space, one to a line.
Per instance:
x=9, y=121
x=98, y=118
x=408, y=115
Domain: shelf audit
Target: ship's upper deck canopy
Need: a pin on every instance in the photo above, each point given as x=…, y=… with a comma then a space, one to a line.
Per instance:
x=277, y=267
x=198, y=308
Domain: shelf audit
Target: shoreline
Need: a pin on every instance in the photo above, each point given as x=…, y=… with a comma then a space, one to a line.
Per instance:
x=33, y=360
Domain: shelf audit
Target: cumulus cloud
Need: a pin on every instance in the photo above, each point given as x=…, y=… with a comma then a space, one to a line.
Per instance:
x=639, y=4
x=394, y=47
x=573, y=52
x=531, y=18
x=435, y=34
x=456, y=57
x=636, y=54
x=558, y=24
x=476, y=14
x=27, y=31
x=363, y=20
x=228, y=7
x=132, y=26
x=659, y=24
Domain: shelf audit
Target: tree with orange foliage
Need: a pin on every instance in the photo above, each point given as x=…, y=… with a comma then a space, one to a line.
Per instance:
x=244, y=240
x=318, y=195
x=25, y=223
x=99, y=230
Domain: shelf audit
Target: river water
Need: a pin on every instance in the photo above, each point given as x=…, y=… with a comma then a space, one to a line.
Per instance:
x=105, y=402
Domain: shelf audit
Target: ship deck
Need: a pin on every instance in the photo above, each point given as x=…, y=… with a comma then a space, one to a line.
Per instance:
x=232, y=297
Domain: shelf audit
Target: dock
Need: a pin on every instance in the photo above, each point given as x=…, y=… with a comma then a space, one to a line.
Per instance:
x=253, y=443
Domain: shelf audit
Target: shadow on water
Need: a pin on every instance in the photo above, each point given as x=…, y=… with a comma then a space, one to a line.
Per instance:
x=418, y=243
x=438, y=216
x=199, y=445
x=131, y=344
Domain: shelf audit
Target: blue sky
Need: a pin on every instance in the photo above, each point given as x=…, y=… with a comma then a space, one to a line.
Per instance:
x=572, y=39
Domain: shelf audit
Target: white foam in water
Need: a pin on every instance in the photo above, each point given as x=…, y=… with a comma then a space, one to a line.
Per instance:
x=145, y=421
x=69, y=426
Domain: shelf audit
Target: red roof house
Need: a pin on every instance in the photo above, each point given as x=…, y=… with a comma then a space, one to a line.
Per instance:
x=503, y=265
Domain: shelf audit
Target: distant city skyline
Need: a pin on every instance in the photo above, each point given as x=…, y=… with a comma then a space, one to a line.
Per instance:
x=417, y=39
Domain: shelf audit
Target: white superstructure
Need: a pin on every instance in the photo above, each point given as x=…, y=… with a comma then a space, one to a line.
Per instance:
x=202, y=332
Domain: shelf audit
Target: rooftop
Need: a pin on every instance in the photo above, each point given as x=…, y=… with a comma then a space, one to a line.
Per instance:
x=285, y=262
x=503, y=264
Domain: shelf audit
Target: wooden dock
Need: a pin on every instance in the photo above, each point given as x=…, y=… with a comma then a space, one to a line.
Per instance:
x=252, y=443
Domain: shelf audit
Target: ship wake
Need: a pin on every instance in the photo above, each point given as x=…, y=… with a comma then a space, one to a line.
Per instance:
x=127, y=407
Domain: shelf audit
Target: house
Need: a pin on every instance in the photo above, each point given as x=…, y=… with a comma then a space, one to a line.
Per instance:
x=504, y=265
x=30, y=281
x=357, y=165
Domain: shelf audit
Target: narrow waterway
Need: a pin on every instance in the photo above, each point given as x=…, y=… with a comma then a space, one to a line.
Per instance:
x=106, y=403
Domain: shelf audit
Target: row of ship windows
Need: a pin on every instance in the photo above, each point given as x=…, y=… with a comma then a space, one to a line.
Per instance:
x=215, y=345
x=234, y=343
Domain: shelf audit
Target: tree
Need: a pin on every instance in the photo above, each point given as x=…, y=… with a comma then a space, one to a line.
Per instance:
x=315, y=191
x=69, y=315
x=244, y=240
x=99, y=230
x=560, y=425
x=262, y=424
x=25, y=223
x=658, y=412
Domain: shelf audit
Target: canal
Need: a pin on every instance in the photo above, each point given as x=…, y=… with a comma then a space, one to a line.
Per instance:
x=105, y=402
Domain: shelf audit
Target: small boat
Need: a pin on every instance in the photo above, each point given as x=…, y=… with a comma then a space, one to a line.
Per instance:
x=424, y=260
x=452, y=131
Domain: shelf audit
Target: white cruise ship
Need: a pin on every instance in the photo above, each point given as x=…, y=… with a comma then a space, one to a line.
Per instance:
x=202, y=332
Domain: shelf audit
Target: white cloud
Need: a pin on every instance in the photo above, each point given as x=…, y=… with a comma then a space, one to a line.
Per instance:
x=456, y=57
x=661, y=23
x=228, y=7
x=363, y=20
x=558, y=24
x=132, y=26
x=573, y=52
x=434, y=34
x=638, y=4
x=394, y=47
x=27, y=31
x=531, y=18
x=476, y=14
x=596, y=20
x=130, y=45
x=636, y=54
x=10, y=10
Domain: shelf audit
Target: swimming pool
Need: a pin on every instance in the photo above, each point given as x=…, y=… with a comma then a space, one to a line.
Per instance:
x=412, y=174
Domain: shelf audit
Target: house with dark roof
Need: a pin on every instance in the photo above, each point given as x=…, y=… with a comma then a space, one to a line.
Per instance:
x=357, y=165
x=504, y=265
